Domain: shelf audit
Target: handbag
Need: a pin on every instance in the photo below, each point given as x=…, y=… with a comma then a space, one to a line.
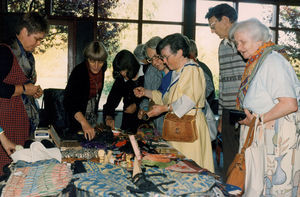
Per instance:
x=236, y=115
x=237, y=171
x=180, y=129
x=254, y=162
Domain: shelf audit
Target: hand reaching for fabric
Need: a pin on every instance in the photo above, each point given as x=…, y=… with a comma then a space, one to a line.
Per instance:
x=157, y=110
x=89, y=132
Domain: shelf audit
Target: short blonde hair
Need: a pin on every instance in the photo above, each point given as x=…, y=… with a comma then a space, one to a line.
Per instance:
x=96, y=51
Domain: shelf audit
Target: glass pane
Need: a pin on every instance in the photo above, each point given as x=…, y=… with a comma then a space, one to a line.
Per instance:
x=291, y=40
x=115, y=36
x=124, y=9
x=207, y=45
x=263, y=12
x=289, y=16
x=23, y=6
x=203, y=6
x=166, y=10
x=73, y=8
x=52, y=58
x=150, y=30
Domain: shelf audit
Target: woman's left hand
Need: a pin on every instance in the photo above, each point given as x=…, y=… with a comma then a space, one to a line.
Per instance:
x=130, y=109
x=156, y=110
x=248, y=119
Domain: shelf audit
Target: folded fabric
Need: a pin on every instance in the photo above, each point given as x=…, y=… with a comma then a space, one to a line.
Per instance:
x=183, y=167
x=36, y=152
x=42, y=178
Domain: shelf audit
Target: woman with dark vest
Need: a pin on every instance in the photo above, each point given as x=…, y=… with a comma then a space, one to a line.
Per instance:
x=84, y=88
x=18, y=112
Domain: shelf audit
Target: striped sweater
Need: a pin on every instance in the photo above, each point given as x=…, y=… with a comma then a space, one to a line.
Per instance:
x=231, y=68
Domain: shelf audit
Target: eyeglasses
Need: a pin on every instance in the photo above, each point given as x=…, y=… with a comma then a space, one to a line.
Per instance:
x=212, y=25
x=150, y=60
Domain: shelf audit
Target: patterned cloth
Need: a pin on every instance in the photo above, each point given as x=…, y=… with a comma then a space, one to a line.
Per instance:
x=41, y=178
x=104, y=180
x=107, y=179
x=185, y=183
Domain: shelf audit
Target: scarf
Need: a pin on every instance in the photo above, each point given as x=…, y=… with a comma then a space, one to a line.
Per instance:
x=252, y=67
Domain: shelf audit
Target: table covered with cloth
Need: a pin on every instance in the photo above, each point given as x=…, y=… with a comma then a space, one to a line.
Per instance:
x=112, y=180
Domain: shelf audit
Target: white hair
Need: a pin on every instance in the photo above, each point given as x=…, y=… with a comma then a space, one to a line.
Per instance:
x=254, y=28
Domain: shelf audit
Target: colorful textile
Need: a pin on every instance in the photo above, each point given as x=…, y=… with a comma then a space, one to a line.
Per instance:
x=104, y=180
x=108, y=179
x=42, y=178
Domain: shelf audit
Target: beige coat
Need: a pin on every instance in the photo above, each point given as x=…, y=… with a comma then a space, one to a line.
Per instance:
x=191, y=83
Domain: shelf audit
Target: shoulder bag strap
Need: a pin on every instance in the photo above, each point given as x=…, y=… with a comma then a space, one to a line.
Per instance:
x=250, y=136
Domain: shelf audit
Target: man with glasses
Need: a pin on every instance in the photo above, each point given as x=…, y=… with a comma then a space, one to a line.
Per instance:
x=221, y=18
x=153, y=78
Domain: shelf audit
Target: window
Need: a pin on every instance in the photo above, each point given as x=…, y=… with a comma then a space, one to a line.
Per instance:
x=161, y=30
x=23, y=6
x=117, y=36
x=203, y=6
x=207, y=45
x=122, y=9
x=263, y=12
x=166, y=10
x=73, y=8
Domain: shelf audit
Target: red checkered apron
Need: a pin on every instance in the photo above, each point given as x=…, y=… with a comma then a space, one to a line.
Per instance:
x=13, y=116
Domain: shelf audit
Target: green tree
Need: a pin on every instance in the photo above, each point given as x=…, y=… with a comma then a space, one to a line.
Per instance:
x=290, y=17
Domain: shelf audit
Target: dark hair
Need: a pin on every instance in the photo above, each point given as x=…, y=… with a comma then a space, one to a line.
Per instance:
x=193, y=48
x=176, y=42
x=125, y=60
x=33, y=22
x=222, y=10
x=95, y=51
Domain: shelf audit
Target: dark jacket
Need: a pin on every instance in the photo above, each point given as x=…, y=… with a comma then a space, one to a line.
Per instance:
x=77, y=94
x=119, y=90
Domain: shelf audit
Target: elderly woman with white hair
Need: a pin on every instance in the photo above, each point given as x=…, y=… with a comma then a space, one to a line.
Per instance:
x=270, y=90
